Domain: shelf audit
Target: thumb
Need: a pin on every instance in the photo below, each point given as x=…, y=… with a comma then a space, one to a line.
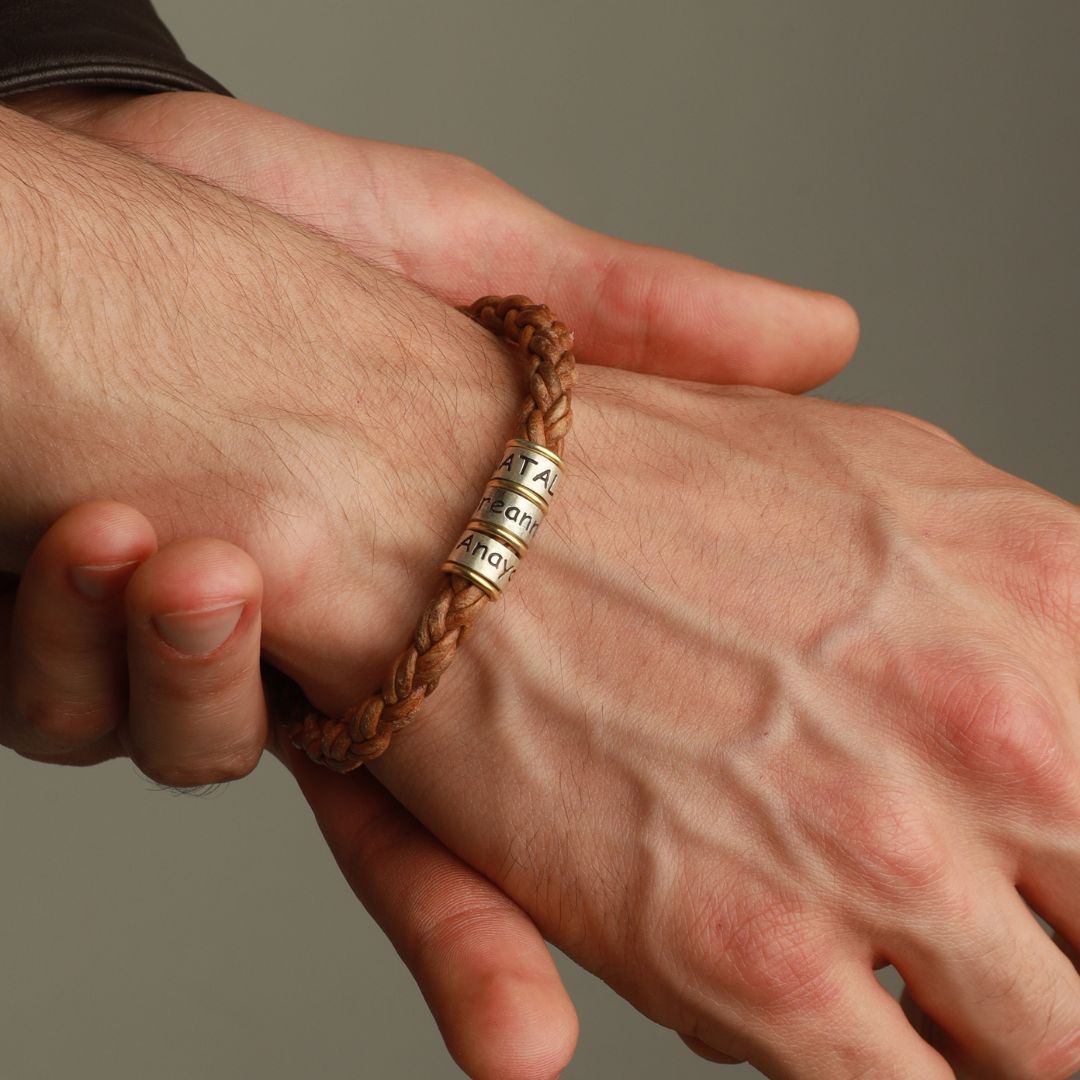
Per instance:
x=480, y=963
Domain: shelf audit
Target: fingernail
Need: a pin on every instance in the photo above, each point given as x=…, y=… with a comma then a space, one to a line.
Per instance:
x=197, y=633
x=100, y=582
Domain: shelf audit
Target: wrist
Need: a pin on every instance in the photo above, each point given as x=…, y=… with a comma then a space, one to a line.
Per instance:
x=425, y=459
x=227, y=372
x=507, y=699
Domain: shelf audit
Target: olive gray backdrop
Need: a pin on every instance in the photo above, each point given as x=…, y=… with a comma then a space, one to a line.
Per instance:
x=919, y=158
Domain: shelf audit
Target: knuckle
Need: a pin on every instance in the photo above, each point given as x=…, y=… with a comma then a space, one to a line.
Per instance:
x=461, y=170
x=884, y=412
x=62, y=726
x=1037, y=564
x=1055, y=553
x=467, y=925
x=999, y=725
x=769, y=950
x=470, y=931
x=887, y=840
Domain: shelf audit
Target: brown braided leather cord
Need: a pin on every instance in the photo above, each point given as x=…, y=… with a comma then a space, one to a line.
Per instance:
x=364, y=732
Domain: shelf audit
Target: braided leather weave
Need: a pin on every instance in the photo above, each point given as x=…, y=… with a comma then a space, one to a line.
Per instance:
x=364, y=732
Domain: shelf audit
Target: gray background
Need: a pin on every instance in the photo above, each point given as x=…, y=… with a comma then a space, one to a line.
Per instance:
x=919, y=158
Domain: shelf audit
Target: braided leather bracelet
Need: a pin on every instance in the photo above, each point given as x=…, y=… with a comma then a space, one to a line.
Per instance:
x=485, y=557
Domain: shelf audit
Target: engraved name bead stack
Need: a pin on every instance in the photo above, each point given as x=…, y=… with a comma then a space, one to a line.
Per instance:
x=513, y=504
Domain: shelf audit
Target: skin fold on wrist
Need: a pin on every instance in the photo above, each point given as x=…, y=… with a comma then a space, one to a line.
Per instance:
x=67, y=106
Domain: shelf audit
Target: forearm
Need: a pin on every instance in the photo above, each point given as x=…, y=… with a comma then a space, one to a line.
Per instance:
x=99, y=249
x=167, y=343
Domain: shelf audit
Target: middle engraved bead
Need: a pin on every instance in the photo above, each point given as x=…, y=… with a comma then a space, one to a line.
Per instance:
x=510, y=514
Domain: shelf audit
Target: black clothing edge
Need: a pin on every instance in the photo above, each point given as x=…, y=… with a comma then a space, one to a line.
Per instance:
x=119, y=44
x=104, y=72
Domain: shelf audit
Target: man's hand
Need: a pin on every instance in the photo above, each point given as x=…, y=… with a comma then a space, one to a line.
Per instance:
x=786, y=690
x=460, y=232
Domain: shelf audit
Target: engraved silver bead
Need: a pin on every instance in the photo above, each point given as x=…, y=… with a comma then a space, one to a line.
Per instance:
x=484, y=560
x=530, y=468
x=510, y=514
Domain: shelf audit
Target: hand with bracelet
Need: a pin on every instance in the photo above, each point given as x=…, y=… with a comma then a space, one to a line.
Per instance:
x=182, y=716
x=857, y=714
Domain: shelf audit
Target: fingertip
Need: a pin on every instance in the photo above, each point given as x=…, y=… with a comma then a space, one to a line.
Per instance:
x=481, y=964
x=196, y=575
x=838, y=337
x=90, y=540
x=787, y=337
x=197, y=713
x=511, y=1026
x=670, y=314
x=67, y=659
x=488, y=977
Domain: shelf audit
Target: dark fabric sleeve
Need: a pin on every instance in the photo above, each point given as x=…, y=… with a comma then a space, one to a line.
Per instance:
x=107, y=43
